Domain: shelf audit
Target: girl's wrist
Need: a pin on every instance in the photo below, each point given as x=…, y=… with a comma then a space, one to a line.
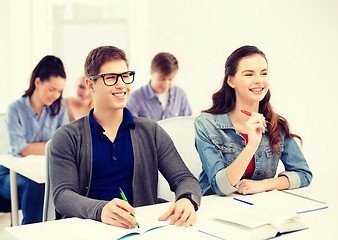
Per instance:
x=251, y=148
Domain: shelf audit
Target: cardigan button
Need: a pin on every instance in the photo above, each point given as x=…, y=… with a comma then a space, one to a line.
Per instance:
x=260, y=154
x=114, y=158
x=259, y=173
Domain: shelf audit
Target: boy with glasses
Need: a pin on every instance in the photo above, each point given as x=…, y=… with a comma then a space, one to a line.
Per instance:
x=95, y=156
x=159, y=99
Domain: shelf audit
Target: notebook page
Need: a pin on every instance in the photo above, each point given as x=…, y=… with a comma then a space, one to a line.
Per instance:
x=252, y=216
x=284, y=201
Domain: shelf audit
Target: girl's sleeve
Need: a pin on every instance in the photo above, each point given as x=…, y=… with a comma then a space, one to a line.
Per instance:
x=16, y=129
x=212, y=160
x=63, y=115
x=296, y=167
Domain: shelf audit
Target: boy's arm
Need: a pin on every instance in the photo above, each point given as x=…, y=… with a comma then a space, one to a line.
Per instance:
x=185, y=106
x=133, y=105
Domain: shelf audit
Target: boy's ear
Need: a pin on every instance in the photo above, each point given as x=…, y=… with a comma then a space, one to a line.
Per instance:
x=230, y=82
x=90, y=84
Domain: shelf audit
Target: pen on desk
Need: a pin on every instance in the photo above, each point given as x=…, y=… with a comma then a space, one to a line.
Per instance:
x=125, y=199
x=249, y=203
x=249, y=114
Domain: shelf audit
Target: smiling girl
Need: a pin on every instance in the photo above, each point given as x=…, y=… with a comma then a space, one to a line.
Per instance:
x=241, y=153
x=31, y=122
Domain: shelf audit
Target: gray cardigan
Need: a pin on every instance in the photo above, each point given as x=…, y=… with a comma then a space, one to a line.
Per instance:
x=71, y=168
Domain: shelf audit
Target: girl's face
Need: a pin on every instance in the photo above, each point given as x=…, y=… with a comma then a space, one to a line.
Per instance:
x=251, y=81
x=50, y=89
x=161, y=83
x=82, y=91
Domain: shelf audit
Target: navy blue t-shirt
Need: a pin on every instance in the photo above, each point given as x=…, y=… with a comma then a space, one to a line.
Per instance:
x=113, y=162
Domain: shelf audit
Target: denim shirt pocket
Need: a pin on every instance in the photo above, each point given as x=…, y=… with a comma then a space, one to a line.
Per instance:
x=273, y=159
x=48, y=129
x=226, y=148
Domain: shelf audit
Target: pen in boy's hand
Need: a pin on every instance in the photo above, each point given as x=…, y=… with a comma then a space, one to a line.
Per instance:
x=249, y=114
x=125, y=199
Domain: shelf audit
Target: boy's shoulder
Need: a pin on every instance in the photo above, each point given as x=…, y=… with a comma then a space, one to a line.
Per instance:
x=77, y=127
x=145, y=122
x=139, y=92
x=19, y=105
x=177, y=91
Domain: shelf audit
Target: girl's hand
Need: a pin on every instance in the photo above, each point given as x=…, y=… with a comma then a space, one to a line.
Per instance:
x=247, y=186
x=255, y=127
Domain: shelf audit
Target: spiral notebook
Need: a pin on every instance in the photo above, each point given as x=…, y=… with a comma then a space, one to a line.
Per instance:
x=284, y=200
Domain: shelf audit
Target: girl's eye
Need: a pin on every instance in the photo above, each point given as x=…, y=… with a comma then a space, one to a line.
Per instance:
x=248, y=74
x=265, y=73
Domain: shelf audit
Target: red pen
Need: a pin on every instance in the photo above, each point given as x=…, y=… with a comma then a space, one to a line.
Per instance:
x=249, y=114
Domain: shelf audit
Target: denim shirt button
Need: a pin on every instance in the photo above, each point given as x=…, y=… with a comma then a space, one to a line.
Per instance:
x=260, y=154
x=259, y=173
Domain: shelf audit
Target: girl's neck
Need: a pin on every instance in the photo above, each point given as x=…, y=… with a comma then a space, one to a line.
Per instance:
x=36, y=104
x=238, y=118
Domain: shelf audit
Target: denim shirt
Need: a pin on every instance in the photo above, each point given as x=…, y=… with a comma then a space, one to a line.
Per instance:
x=143, y=102
x=25, y=127
x=219, y=144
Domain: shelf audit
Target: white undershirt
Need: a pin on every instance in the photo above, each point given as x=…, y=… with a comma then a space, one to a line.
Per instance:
x=163, y=97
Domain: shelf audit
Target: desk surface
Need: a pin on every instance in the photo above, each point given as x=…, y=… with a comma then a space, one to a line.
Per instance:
x=322, y=224
x=32, y=167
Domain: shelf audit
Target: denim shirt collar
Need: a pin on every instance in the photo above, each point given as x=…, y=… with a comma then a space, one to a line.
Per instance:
x=223, y=121
x=151, y=94
x=30, y=110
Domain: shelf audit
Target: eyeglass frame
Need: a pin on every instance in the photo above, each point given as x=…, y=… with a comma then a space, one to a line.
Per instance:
x=95, y=77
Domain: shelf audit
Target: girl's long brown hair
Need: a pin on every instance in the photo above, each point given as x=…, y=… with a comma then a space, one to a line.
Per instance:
x=224, y=100
x=47, y=67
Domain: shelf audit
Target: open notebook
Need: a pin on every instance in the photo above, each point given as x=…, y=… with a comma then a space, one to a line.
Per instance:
x=85, y=229
x=112, y=232
x=284, y=200
x=238, y=220
x=261, y=215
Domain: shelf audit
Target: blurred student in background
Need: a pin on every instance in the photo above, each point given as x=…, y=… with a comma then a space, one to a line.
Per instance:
x=241, y=153
x=159, y=99
x=80, y=105
x=31, y=122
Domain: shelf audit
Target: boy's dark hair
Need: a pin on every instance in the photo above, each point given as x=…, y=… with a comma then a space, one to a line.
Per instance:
x=99, y=56
x=47, y=67
x=164, y=63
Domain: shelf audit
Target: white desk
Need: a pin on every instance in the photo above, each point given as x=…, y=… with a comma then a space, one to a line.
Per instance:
x=322, y=225
x=32, y=167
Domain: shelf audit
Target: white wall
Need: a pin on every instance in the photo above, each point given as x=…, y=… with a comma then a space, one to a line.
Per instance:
x=299, y=38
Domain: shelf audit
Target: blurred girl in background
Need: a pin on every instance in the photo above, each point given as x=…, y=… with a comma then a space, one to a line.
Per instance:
x=31, y=122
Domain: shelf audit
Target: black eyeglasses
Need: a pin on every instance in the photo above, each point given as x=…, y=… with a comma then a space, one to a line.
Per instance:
x=110, y=79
